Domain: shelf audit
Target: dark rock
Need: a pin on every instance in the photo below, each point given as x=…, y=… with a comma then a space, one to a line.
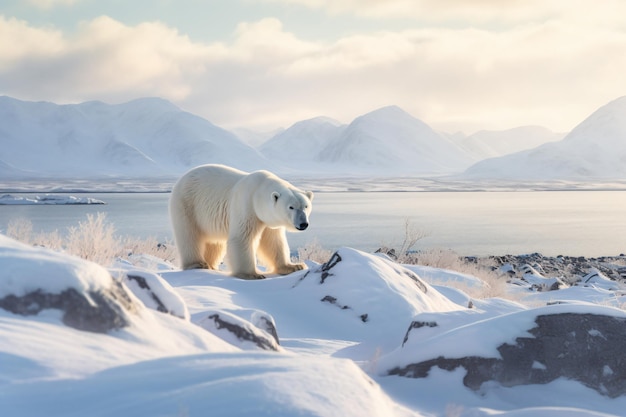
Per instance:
x=587, y=348
x=267, y=324
x=94, y=311
x=417, y=280
x=566, y=268
x=390, y=252
x=143, y=284
x=332, y=300
x=242, y=333
x=326, y=267
x=417, y=325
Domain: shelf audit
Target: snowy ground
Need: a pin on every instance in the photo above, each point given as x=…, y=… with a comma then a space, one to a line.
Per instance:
x=357, y=336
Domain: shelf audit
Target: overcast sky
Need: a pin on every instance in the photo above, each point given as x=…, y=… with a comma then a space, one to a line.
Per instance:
x=455, y=64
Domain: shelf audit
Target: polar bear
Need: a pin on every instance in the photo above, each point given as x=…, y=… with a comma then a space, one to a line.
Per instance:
x=217, y=210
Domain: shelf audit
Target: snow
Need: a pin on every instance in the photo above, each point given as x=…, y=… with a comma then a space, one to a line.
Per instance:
x=494, y=143
x=152, y=139
x=392, y=141
x=341, y=326
x=22, y=267
x=148, y=137
x=8, y=199
x=593, y=150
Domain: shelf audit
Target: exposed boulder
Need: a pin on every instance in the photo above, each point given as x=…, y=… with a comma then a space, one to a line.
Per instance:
x=238, y=331
x=369, y=295
x=156, y=293
x=563, y=341
x=95, y=311
x=36, y=279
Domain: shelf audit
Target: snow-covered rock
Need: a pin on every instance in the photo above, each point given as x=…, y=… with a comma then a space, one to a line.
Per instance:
x=155, y=293
x=54, y=307
x=343, y=325
x=348, y=298
x=572, y=341
x=237, y=331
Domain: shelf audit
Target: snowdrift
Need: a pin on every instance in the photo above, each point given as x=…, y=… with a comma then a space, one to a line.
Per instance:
x=358, y=335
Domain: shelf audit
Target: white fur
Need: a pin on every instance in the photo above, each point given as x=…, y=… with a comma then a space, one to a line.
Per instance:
x=215, y=207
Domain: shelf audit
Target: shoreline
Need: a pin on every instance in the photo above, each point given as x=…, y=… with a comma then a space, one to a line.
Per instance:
x=331, y=184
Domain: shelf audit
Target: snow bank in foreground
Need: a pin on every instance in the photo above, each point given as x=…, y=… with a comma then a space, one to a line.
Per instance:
x=362, y=298
x=237, y=385
x=320, y=342
x=54, y=307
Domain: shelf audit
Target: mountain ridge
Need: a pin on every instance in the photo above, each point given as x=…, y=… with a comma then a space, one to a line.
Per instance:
x=594, y=150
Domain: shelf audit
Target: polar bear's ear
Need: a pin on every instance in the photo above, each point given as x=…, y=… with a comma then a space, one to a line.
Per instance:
x=310, y=195
x=275, y=196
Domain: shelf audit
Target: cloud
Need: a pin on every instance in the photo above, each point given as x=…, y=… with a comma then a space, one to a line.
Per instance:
x=470, y=12
x=549, y=72
x=48, y=4
x=104, y=59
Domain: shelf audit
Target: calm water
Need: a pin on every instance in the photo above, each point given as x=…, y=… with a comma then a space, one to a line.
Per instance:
x=589, y=223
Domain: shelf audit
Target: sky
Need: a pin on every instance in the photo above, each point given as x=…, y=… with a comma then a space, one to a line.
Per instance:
x=458, y=65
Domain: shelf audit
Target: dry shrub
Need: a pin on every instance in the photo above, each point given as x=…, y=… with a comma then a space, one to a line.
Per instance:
x=93, y=239
x=412, y=234
x=20, y=229
x=313, y=251
x=149, y=246
x=495, y=283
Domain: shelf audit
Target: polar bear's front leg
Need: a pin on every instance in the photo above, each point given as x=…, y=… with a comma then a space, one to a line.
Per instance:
x=274, y=251
x=190, y=245
x=241, y=256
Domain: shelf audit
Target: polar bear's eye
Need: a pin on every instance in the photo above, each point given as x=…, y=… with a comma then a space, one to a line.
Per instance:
x=290, y=207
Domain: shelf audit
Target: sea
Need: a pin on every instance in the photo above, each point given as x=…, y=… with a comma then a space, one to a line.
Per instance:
x=477, y=223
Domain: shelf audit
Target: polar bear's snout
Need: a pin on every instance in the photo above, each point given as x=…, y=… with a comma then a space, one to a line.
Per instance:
x=301, y=222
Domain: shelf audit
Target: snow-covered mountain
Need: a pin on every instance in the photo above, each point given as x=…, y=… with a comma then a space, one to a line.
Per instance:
x=255, y=138
x=391, y=139
x=303, y=141
x=386, y=141
x=493, y=143
x=147, y=137
x=595, y=149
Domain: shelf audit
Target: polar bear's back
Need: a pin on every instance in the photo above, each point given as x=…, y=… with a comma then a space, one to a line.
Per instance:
x=202, y=197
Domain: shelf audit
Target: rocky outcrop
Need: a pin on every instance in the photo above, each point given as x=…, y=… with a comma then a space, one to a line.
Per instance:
x=238, y=332
x=97, y=311
x=587, y=348
x=156, y=293
x=571, y=269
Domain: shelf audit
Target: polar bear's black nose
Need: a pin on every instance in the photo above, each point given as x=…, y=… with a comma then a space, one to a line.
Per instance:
x=303, y=226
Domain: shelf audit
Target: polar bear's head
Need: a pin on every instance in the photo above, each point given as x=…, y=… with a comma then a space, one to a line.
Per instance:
x=291, y=209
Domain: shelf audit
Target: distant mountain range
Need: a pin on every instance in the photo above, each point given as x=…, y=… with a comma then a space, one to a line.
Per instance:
x=595, y=149
x=387, y=141
x=145, y=137
x=151, y=137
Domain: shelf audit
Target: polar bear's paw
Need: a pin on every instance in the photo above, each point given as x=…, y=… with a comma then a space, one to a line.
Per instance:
x=197, y=265
x=289, y=268
x=249, y=276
